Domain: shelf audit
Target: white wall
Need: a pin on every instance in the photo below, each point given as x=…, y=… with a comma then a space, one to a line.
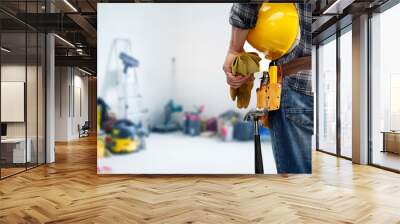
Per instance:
x=12, y=73
x=61, y=103
x=202, y=44
x=81, y=84
x=33, y=126
x=68, y=83
x=197, y=35
x=153, y=43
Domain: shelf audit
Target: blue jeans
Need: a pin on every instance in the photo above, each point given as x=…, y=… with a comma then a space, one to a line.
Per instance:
x=292, y=125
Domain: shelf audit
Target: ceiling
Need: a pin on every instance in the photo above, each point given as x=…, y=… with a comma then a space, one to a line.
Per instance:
x=75, y=23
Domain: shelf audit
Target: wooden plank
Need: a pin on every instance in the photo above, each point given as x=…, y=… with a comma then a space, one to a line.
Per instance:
x=70, y=191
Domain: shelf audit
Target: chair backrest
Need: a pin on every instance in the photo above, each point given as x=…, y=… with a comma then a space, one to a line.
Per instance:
x=86, y=125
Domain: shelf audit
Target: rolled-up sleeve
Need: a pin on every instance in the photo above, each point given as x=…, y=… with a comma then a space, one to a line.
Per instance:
x=244, y=15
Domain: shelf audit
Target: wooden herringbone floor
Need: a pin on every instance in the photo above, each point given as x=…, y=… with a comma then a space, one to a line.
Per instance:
x=70, y=191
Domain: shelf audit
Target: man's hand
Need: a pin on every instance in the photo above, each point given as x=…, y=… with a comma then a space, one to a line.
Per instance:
x=238, y=38
x=235, y=81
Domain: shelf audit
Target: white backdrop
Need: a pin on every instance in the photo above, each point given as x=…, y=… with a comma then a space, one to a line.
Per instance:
x=197, y=35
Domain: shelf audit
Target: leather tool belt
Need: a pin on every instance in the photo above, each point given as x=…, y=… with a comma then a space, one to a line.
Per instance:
x=295, y=66
x=269, y=93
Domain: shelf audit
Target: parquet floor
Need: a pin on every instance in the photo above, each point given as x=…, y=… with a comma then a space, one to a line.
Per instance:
x=10, y=171
x=70, y=191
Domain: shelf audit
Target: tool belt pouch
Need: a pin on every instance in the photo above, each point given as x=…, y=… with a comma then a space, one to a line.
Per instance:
x=273, y=101
x=269, y=97
x=269, y=94
x=262, y=102
x=273, y=89
x=262, y=96
x=274, y=85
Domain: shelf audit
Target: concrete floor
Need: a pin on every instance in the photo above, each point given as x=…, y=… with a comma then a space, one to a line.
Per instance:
x=180, y=154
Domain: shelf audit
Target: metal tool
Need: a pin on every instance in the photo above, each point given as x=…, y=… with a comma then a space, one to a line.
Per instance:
x=254, y=115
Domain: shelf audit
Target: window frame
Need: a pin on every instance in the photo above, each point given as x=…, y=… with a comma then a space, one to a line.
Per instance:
x=334, y=37
x=27, y=29
x=379, y=10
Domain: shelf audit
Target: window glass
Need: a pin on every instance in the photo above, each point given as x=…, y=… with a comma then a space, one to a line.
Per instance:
x=23, y=90
x=327, y=97
x=385, y=84
x=346, y=94
x=31, y=96
x=15, y=150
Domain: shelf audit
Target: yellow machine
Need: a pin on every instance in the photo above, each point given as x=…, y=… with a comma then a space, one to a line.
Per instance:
x=277, y=30
x=101, y=148
x=124, y=145
x=123, y=139
x=117, y=136
x=101, y=151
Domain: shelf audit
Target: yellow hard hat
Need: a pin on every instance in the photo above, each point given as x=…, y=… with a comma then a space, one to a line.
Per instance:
x=277, y=30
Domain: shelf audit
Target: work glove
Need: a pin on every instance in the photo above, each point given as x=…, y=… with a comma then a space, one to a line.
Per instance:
x=244, y=64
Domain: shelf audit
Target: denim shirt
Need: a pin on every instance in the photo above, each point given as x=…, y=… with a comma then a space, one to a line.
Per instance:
x=244, y=16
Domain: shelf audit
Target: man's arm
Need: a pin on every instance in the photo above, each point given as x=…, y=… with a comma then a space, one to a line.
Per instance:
x=242, y=18
x=244, y=15
x=238, y=38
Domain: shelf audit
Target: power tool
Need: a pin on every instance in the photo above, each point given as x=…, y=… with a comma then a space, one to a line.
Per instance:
x=169, y=125
x=124, y=138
